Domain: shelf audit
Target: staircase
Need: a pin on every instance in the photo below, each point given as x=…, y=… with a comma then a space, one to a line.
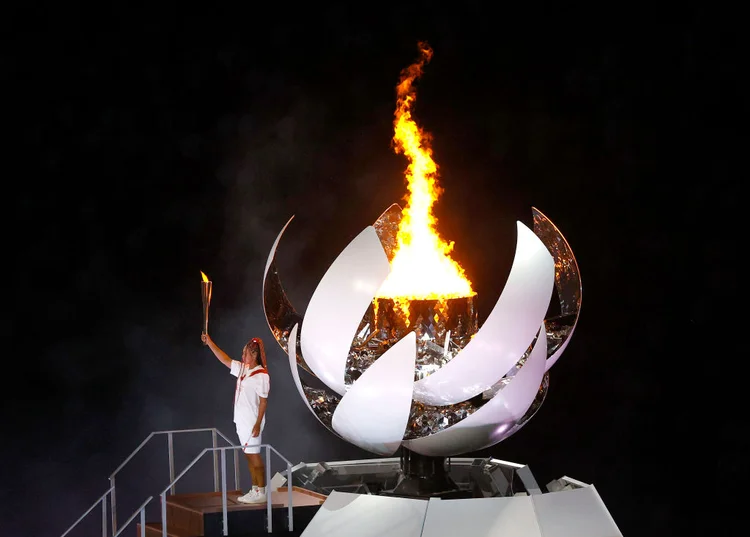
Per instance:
x=201, y=514
x=216, y=513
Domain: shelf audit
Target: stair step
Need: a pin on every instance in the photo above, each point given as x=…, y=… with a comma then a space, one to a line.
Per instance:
x=154, y=529
x=184, y=518
x=201, y=514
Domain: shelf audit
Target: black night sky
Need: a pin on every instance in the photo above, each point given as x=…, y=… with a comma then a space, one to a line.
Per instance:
x=155, y=143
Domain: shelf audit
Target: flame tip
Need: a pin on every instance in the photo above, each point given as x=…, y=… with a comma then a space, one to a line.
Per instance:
x=421, y=266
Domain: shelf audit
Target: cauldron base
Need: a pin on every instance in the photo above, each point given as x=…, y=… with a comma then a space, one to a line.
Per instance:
x=424, y=477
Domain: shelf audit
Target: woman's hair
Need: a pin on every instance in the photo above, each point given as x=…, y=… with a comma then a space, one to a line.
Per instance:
x=256, y=344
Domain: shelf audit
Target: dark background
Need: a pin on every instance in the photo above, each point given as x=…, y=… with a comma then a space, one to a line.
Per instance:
x=149, y=144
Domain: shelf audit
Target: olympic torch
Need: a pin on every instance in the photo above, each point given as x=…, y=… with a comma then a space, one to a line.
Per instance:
x=206, y=286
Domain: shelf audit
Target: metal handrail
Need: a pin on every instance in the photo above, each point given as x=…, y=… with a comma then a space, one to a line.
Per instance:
x=269, y=448
x=214, y=432
x=103, y=500
x=142, y=511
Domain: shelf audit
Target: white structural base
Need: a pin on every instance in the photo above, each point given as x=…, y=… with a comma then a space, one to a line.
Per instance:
x=569, y=513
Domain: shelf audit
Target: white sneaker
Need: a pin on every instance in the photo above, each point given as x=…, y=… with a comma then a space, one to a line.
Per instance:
x=260, y=495
x=249, y=497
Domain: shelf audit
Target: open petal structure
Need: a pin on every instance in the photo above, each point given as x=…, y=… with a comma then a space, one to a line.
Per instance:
x=494, y=384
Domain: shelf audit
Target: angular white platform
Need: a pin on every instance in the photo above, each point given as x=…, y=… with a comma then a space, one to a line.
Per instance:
x=579, y=512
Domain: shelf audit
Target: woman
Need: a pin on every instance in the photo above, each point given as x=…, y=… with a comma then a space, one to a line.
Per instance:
x=250, y=401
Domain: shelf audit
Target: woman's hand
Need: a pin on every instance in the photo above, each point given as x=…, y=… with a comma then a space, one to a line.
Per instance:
x=256, y=431
x=206, y=339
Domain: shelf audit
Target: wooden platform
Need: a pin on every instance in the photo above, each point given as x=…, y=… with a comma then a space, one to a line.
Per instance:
x=200, y=514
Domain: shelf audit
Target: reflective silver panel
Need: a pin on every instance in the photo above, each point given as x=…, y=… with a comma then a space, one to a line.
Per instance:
x=567, y=282
x=425, y=420
x=324, y=403
x=559, y=329
x=386, y=226
x=443, y=328
x=280, y=313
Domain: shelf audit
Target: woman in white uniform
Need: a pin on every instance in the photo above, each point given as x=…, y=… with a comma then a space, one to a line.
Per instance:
x=250, y=401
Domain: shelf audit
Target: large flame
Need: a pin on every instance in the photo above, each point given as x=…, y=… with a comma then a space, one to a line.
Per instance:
x=204, y=277
x=421, y=267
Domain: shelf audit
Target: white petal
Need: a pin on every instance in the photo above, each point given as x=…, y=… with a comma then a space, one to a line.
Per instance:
x=374, y=412
x=495, y=420
x=338, y=305
x=272, y=253
x=279, y=312
x=506, y=334
x=295, y=371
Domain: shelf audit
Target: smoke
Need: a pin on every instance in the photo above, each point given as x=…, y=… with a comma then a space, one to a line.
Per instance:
x=126, y=358
x=282, y=167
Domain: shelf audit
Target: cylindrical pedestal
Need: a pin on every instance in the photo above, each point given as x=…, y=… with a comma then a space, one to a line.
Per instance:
x=425, y=477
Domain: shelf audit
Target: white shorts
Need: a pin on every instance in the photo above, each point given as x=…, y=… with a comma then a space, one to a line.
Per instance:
x=251, y=443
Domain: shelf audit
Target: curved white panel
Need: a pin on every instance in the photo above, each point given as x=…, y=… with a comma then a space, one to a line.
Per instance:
x=295, y=371
x=495, y=420
x=505, y=335
x=374, y=412
x=295, y=375
x=272, y=253
x=279, y=312
x=338, y=305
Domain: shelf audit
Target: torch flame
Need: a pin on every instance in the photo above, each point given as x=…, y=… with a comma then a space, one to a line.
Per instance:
x=205, y=278
x=421, y=267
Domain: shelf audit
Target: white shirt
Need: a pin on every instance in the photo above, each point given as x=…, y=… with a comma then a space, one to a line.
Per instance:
x=248, y=391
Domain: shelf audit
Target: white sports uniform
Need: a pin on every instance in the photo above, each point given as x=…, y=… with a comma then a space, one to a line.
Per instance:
x=252, y=384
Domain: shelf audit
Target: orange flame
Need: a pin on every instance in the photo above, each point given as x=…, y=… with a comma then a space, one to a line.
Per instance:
x=421, y=267
x=205, y=278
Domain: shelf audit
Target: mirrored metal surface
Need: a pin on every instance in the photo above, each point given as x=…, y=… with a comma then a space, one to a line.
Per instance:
x=425, y=420
x=323, y=403
x=567, y=283
x=386, y=226
x=280, y=314
x=443, y=328
x=567, y=275
x=559, y=329
x=320, y=401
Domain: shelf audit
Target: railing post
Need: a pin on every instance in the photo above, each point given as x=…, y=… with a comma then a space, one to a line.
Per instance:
x=268, y=489
x=170, y=444
x=216, y=469
x=113, y=504
x=104, y=516
x=164, y=514
x=143, y=522
x=290, y=520
x=236, y=469
x=224, y=489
